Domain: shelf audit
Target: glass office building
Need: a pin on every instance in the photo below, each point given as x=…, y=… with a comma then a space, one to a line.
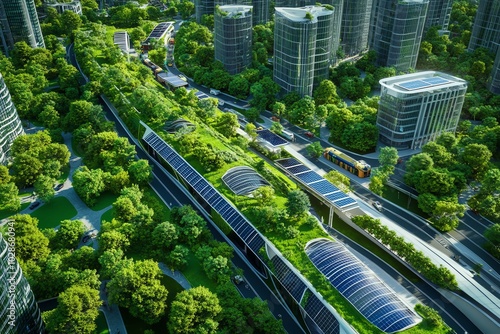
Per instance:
x=233, y=37
x=302, y=47
x=10, y=124
x=355, y=26
x=260, y=8
x=416, y=108
x=203, y=7
x=19, y=312
x=438, y=14
x=486, y=34
x=19, y=22
x=396, y=32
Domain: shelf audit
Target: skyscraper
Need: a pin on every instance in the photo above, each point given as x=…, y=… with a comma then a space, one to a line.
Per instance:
x=233, y=37
x=396, y=31
x=19, y=22
x=19, y=312
x=260, y=8
x=416, y=108
x=486, y=34
x=10, y=124
x=203, y=7
x=438, y=14
x=355, y=26
x=302, y=47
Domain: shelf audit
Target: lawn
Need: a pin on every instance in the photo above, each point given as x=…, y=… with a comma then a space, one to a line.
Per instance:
x=135, y=325
x=195, y=274
x=102, y=325
x=108, y=215
x=106, y=199
x=51, y=214
x=403, y=201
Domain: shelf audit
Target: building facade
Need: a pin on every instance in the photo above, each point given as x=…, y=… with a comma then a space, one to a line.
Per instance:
x=260, y=8
x=61, y=7
x=396, y=32
x=416, y=108
x=203, y=7
x=233, y=37
x=302, y=47
x=10, y=124
x=486, y=34
x=438, y=14
x=355, y=26
x=19, y=312
x=19, y=22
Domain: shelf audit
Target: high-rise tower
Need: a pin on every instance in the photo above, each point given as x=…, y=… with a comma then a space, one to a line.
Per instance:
x=203, y=7
x=486, y=34
x=355, y=26
x=10, y=124
x=19, y=312
x=438, y=14
x=396, y=31
x=233, y=37
x=260, y=10
x=19, y=22
x=302, y=47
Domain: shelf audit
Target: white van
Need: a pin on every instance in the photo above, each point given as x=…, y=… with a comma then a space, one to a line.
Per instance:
x=288, y=135
x=214, y=91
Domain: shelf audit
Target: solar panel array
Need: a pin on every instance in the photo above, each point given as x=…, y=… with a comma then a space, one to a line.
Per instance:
x=159, y=30
x=271, y=138
x=361, y=286
x=229, y=213
x=316, y=182
x=423, y=83
x=243, y=180
x=321, y=315
x=292, y=283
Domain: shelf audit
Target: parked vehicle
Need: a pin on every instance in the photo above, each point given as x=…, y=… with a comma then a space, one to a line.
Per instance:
x=275, y=119
x=34, y=205
x=309, y=134
x=238, y=279
x=288, y=135
x=58, y=187
x=214, y=91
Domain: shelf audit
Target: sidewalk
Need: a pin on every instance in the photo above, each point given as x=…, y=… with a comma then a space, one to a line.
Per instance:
x=111, y=312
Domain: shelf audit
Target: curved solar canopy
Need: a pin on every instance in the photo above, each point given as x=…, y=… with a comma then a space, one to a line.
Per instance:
x=242, y=180
x=360, y=286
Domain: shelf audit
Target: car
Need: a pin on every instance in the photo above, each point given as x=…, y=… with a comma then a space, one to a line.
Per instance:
x=309, y=134
x=377, y=205
x=238, y=279
x=183, y=77
x=85, y=239
x=275, y=119
x=59, y=187
x=34, y=205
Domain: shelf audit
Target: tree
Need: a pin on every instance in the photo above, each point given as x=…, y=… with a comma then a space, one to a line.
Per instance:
x=227, y=124
x=277, y=128
x=297, y=203
x=377, y=184
x=315, y=150
x=178, y=257
x=440, y=156
x=435, y=181
x=89, y=184
x=302, y=112
x=217, y=268
x=113, y=240
x=339, y=180
x=71, y=22
x=326, y=93
x=9, y=199
x=445, y=215
x=360, y=136
x=194, y=311
x=427, y=202
x=164, y=236
x=158, y=56
x=388, y=156
x=149, y=302
x=108, y=261
x=264, y=195
x=477, y=157
x=69, y=233
x=186, y=9
x=31, y=244
x=44, y=188
x=493, y=235
x=76, y=312
x=279, y=109
x=239, y=87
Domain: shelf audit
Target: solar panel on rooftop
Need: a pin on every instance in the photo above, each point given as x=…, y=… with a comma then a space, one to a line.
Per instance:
x=271, y=137
x=436, y=80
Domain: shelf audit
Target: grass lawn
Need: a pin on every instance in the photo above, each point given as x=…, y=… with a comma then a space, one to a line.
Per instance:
x=403, y=201
x=135, y=325
x=108, y=215
x=7, y=213
x=102, y=325
x=105, y=200
x=195, y=274
x=50, y=214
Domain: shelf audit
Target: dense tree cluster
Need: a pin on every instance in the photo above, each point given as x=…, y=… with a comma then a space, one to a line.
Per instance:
x=438, y=275
x=388, y=158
